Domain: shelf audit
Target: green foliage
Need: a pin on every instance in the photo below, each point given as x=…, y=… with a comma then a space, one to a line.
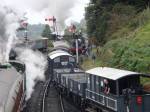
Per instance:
x=123, y=28
x=50, y=44
x=46, y=32
x=105, y=17
x=133, y=53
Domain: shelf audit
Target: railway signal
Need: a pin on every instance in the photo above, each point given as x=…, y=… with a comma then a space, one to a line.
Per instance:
x=24, y=26
x=53, y=20
x=72, y=29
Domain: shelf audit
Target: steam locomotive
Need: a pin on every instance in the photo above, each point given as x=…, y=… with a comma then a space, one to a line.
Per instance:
x=101, y=89
x=12, y=86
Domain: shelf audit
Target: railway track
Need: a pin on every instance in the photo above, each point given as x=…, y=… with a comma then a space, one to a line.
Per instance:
x=68, y=106
x=35, y=104
x=46, y=86
x=46, y=99
x=54, y=102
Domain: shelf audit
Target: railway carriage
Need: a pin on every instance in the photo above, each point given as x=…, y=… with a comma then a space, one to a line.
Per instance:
x=57, y=75
x=124, y=90
x=60, y=60
x=12, y=87
x=72, y=85
x=101, y=89
x=76, y=86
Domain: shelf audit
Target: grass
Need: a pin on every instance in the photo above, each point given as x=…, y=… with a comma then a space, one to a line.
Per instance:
x=89, y=63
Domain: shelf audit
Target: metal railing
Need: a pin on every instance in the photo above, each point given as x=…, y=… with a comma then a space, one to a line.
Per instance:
x=102, y=96
x=105, y=100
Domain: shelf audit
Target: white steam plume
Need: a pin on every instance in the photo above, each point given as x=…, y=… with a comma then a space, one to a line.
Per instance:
x=61, y=9
x=8, y=26
x=36, y=64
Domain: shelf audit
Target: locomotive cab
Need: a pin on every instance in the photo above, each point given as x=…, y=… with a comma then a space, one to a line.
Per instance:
x=117, y=90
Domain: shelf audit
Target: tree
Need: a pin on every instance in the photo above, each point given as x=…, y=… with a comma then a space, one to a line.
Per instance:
x=104, y=17
x=47, y=32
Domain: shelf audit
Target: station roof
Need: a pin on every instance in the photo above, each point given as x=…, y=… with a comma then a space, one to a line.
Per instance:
x=110, y=73
x=58, y=53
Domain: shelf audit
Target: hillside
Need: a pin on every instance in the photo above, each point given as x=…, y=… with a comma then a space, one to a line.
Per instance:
x=129, y=53
x=122, y=34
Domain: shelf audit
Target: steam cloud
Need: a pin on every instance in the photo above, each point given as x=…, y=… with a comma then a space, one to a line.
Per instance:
x=58, y=8
x=8, y=26
x=36, y=64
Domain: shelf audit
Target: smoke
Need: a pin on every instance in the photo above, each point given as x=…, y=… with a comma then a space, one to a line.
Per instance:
x=61, y=9
x=8, y=26
x=36, y=64
x=58, y=8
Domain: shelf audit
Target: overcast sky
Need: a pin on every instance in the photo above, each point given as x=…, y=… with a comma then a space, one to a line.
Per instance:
x=37, y=10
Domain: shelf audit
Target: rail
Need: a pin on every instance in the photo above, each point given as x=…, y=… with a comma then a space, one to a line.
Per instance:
x=45, y=93
x=61, y=103
x=46, y=87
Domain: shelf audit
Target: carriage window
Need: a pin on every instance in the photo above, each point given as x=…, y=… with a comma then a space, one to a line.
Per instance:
x=64, y=63
x=67, y=81
x=64, y=58
x=57, y=60
x=88, y=80
x=102, y=84
x=71, y=59
x=111, y=85
x=71, y=85
x=79, y=87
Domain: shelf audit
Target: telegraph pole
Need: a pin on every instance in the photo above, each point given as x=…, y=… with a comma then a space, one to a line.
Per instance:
x=77, y=47
x=72, y=29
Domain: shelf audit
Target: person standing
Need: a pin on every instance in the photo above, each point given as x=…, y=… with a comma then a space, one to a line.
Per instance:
x=106, y=87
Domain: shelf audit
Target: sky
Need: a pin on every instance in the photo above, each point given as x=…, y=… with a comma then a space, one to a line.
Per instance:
x=37, y=10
